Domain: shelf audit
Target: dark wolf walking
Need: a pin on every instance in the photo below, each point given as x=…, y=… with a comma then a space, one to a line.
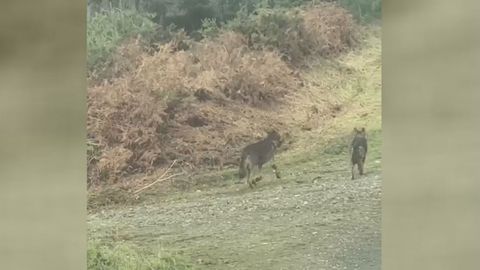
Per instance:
x=254, y=156
x=359, y=150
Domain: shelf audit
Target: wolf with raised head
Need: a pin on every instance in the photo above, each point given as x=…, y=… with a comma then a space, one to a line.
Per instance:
x=359, y=149
x=255, y=155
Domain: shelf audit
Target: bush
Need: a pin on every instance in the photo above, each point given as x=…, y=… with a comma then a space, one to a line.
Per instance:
x=129, y=257
x=108, y=29
x=324, y=30
x=272, y=28
x=330, y=29
x=365, y=10
x=144, y=119
x=229, y=68
x=210, y=28
x=199, y=102
x=189, y=14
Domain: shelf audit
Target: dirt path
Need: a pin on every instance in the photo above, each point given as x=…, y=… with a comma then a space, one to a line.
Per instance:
x=326, y=223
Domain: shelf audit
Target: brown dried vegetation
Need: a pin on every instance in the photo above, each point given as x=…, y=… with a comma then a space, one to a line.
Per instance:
x=198, y=106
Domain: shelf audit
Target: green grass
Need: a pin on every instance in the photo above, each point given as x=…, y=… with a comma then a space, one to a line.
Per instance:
x=329, y=160
x=365, y=10
x=359, y=93
x=129, y=257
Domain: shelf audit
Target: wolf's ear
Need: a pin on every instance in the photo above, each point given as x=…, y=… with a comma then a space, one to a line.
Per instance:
x=272, y=131
x=363, y=129
x=355, y=129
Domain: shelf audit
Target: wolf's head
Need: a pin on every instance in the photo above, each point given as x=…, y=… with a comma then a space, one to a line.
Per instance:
x=359, y=132
x=275, y=137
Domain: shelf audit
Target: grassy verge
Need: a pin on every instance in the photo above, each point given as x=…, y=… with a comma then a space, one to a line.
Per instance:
x=123, y=256
x=353, y=84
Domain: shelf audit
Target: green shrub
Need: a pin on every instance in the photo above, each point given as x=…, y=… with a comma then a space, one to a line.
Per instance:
x=365, y=10
x=283, y=3
x=272, y=28
x=324, y=30
x=210, y=28
x=129, y=257
x=106, y=31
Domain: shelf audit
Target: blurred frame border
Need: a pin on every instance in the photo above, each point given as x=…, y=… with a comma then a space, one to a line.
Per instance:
x=431, y=59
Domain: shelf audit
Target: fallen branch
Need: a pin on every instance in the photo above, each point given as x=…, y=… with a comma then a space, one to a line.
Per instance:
x=160, y=179
x=156, y=181
x=169, y=167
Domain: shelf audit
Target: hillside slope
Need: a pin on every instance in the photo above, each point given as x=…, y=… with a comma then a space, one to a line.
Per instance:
x=315, y=217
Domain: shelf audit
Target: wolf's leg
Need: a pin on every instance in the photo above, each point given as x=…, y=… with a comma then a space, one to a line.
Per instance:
x=258, y=178
x=360, y=167
x=363, y=165
x=250, y=183
x=353, y=168
x=249, y=174
x=275, y=171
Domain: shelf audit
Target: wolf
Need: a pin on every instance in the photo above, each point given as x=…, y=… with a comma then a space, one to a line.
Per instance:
x=255, y=155
x=359, y=150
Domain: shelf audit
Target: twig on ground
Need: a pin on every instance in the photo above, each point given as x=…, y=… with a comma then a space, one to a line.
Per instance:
x=160, y=179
